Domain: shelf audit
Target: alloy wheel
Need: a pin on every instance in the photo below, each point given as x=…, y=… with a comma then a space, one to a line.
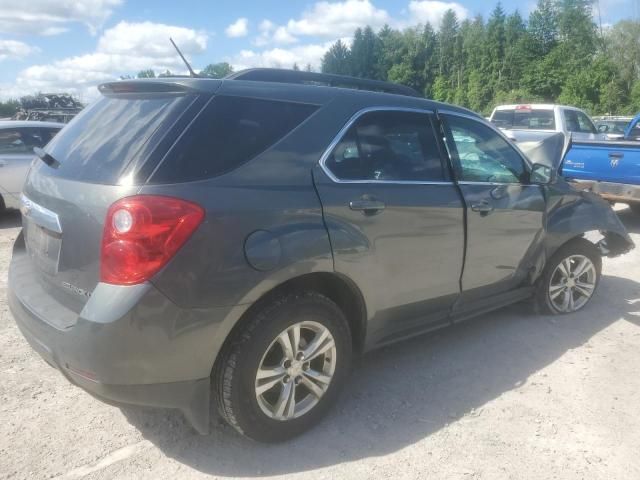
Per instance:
x=295, y=371
x=572, y=283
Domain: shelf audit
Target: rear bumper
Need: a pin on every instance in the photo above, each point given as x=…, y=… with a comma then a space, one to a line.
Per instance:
x=154, y=354
x=614, y=192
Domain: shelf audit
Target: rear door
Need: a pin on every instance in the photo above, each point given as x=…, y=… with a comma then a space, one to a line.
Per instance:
x=504, y=213
x=395, y=219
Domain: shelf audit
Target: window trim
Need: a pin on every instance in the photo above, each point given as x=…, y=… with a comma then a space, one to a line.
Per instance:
x=354, y=119
x=515, y=148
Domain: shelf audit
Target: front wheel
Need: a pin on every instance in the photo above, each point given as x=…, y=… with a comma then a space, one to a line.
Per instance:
x=282, y=373
x=635, y=208
x=570, y=278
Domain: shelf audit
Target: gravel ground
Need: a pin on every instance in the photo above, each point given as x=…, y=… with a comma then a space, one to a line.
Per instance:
x=509, y=395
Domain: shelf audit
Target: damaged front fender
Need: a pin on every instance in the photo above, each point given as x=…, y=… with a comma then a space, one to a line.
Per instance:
x=576, y=213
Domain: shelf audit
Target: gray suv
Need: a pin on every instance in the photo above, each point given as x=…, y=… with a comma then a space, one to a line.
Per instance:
x=189, y=242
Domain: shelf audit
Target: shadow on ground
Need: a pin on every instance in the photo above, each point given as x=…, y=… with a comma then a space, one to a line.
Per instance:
x=631, y=220
x=10, y=219
x=403, y=393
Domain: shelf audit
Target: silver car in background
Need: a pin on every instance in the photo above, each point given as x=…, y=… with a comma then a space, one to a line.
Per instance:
x=17, y=141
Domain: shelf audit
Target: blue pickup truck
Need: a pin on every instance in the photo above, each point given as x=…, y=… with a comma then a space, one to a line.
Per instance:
x=608, y=168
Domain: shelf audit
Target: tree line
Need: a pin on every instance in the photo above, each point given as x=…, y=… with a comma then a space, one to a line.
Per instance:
x=559, y=55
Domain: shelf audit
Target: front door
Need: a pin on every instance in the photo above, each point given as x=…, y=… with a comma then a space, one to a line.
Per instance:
x=395, y=220
x=504, y=211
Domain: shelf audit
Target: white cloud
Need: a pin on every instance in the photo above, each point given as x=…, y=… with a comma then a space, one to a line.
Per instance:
x=432, y=11
x=124, y=49
x=15, y=49
x=51, y=17
x=325, y=19
x=281, y=57
x=239, y=28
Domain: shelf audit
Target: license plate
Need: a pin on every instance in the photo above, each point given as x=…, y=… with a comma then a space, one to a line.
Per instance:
x=43, y=247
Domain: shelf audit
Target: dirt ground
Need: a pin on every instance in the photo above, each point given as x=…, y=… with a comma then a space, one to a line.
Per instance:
x=510, y=395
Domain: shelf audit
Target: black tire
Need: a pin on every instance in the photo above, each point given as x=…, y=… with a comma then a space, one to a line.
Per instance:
x=635, y=208
x=234, y=376
x=577, y=246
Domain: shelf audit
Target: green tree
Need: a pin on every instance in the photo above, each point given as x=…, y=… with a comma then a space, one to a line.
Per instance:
x=337, y=59
x=9, y=108
x=366, y=52
x=146, y=74
x=543, y=26
x=217, y=70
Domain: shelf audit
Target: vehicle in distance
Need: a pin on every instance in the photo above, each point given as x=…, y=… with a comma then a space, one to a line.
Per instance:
x=17, y=141
x=188, y=241
x=526, y=121
x=609, y=168
x=612, y=127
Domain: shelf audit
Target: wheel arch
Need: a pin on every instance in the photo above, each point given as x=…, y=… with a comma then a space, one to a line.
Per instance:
x=338, y=288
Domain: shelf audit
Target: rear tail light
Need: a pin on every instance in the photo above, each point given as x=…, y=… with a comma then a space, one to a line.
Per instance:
x=142, y=233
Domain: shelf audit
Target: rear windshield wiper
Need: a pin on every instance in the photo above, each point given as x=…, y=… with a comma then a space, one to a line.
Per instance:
x=46, y=158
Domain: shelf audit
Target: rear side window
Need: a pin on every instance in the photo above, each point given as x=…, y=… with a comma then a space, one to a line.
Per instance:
x=578, y=122
x=229, y=132
x=524, y=119
x=388, y=145
x=101, y=142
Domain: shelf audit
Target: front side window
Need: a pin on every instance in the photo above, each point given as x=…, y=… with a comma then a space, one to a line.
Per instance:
x=480, y=154
x=388, y=145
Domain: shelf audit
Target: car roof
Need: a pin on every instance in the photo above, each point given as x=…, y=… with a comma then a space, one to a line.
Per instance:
x=311, y=93
x=28, y=124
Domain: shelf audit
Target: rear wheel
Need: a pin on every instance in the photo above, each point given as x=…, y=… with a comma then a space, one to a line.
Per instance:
x=570, y=278
x=278, y=377
x=635, y=208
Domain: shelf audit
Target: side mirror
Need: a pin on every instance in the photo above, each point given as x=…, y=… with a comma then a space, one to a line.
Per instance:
x=542, y=174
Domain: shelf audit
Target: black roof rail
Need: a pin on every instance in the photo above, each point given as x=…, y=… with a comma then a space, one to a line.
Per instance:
x=278, y=75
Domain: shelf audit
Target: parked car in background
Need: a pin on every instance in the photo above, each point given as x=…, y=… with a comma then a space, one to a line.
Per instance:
x=236, y=241
x=612, y=127
x=526, y=121
x=17, y=141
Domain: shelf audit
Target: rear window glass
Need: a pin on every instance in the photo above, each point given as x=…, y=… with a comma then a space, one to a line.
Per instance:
x=229, y=132
x=101, y=142
x=534, y=119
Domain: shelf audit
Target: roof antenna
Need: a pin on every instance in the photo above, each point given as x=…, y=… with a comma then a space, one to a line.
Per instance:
x=191, y=72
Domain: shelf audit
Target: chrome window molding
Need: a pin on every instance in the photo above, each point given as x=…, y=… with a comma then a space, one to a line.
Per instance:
x=349, y=124
x=497, y=184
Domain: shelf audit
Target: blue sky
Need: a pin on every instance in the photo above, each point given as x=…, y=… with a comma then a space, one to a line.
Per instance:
x=73, y=45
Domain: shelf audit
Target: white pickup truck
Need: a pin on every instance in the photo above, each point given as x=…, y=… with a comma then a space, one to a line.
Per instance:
x=529, y=121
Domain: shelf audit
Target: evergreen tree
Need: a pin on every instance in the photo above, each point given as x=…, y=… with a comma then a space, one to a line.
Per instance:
x=337, y=59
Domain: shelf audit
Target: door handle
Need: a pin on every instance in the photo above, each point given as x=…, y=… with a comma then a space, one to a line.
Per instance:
x=483, y=207
x=616, y=155
x=368, y=207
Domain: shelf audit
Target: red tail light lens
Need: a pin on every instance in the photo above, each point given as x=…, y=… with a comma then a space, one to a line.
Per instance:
x=142, y=233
